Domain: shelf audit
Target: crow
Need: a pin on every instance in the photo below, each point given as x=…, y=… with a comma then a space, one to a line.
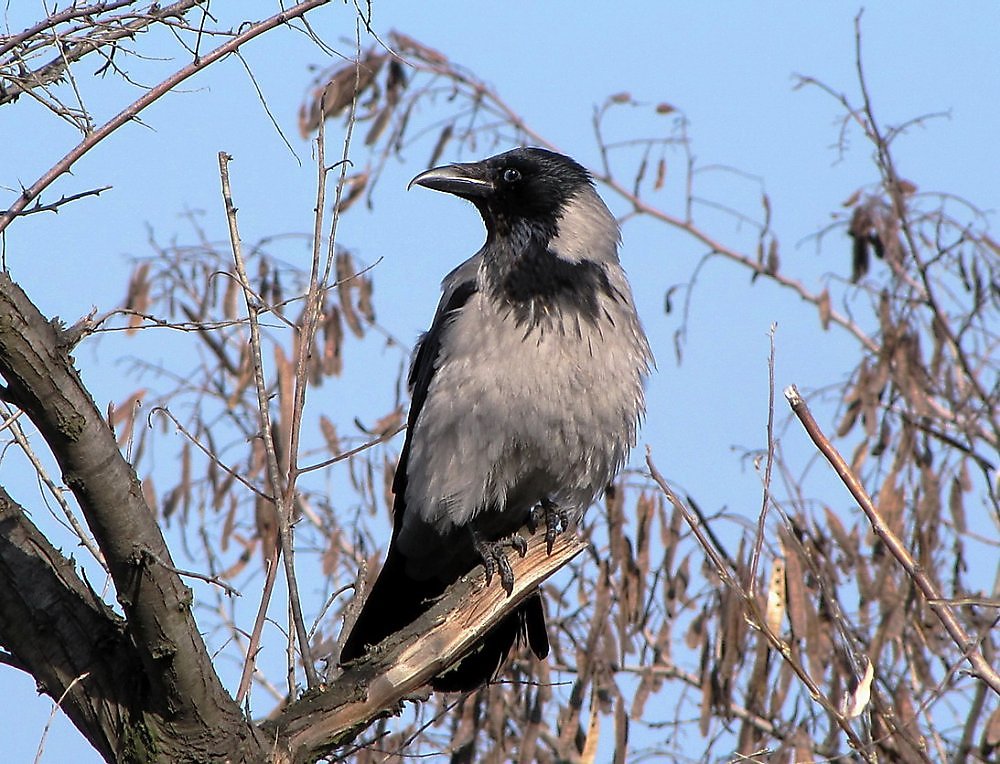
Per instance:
x=526, y=393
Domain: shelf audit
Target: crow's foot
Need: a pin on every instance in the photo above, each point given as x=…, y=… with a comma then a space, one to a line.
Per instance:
x=556, y=521
x=495, y=560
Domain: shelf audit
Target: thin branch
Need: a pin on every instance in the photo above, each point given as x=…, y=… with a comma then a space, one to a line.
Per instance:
x=756, y=619
x=273, y=470
x=136, y=107
x=968, y=646
x=64, y=200
x=751, y=582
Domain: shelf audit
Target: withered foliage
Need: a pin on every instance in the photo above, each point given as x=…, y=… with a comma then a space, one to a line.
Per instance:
x=684, y=635
x=648, y=635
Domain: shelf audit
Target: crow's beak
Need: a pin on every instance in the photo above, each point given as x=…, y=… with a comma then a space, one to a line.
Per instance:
x=465, y=180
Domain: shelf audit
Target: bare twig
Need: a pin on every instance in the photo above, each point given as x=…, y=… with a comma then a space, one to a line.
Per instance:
x=756, y=618
x=751, y=582
x=153, y=94
x=273, y=470
x=969, y=647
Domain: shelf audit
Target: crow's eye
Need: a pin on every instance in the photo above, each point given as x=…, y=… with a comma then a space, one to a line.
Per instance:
x=510, y=175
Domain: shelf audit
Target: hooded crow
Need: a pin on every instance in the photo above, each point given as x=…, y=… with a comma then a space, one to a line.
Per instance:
x=526, y=394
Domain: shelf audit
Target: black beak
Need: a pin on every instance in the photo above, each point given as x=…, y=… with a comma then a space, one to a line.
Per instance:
x=465, y=180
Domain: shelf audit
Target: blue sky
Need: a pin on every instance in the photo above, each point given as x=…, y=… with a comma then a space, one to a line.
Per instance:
x=730, y=67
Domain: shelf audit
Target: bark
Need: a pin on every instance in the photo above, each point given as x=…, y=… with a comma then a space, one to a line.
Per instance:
x=180, y=695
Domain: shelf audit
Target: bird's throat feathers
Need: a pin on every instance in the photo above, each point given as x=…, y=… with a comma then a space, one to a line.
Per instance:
x=542, y=271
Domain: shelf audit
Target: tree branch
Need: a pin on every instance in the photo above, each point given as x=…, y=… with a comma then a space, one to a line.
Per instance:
x=58, y=629
x=183, y=693
x=132, y=111
x=406, y=661
x=940, y=606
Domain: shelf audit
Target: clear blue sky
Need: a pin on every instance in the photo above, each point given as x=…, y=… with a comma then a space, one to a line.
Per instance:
x=728, y=66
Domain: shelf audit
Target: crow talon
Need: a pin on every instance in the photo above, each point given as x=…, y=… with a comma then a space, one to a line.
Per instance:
x=556, y=521
x=495, y=560
x=519, y=544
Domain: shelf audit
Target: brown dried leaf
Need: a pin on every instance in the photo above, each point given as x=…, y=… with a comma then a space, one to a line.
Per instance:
x=149, y=494
x=333, y=338
x=593, y=735
x=852, y=199
x=774, y=611
x=353, y=189
x=365, y=305
x=665, y=108
x=956, y=505
x=661, y=174
x=824, y=309
x=696, y=633
x=773, y=260
x=621, y=730
x=329, y=431
x=346, y=274
x=442, y=141
x=281, y=424
x=137, y=296
x=798, y=611
x=406, y=44
x=339, y=91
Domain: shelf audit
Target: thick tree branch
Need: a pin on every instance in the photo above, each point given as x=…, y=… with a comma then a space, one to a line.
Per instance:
x=184, y=692
x=377, y=685
x=59, y=630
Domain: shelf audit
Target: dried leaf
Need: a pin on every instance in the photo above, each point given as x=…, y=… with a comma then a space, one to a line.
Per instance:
x=353, y=188
x=823, y=303
x=798, y=611
x=854, y=703
x=346, y=275
x=442, y=141
x=774, y=611
x=333, y=339
x=956, y=505
x=329, y=431
x=589, y=753
x=137, y=296
x=365, y=305
x=406, y=44
x=661, y=174
x=339, y=91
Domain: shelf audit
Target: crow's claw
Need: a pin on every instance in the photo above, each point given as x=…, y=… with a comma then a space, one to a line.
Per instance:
x=556, y=521
x=495, y=560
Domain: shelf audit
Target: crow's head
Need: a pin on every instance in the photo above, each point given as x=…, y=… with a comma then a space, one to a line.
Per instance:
x=525, y=186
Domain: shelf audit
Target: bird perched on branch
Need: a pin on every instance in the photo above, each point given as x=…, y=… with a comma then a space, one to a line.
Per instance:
x=526, y=395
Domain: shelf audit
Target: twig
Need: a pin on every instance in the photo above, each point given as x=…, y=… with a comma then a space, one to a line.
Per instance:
x=388, y=435
x=55, y=708
x=45, y=479
x=208, y=451
x=64, y=200
x=758, y=544
x=273, y=470
x=937, y=604
x=153, y=94
x=232, y=591
x=270, y=575
x=756, y=619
